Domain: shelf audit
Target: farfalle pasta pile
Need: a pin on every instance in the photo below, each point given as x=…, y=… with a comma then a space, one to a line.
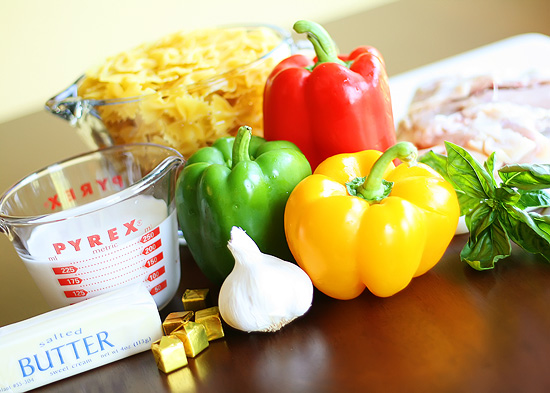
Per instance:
x=187, y=89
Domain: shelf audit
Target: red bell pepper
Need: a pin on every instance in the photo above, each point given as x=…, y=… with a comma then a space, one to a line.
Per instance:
x=330, y=104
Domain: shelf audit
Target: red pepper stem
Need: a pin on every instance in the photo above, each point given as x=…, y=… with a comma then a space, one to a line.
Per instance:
x=241, y=145
x=322, y=43
x=374, y=189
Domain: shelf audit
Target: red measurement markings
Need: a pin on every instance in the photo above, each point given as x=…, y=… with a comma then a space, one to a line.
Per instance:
x=75, y=293
x=157, y=258
x=156, y=274
x=64, y=270
x=151, y=247
x=157, y=288
x=150, y=235
x=70, y=281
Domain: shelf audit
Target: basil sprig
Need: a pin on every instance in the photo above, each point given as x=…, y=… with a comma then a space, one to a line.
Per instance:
x=497, y=213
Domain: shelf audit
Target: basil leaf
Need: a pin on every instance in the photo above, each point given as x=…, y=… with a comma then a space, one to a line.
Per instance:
x=542, y=222
x=534, y=198
x=489, y=166
x=479, y=219
x=438, y=162
x=530, y=231
x=488, y=241
x=467, y=203
x=496, y=215
x=507, y=195
x=526, y=176
x=467, y=174
x=489, y=246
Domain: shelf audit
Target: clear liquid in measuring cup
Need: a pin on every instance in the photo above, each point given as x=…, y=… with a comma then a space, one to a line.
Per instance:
x=87, y=255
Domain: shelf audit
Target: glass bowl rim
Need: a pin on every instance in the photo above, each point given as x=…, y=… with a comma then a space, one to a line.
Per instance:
x=71, y=93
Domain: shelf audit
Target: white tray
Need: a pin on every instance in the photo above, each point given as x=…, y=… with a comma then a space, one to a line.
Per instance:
x=521, y=53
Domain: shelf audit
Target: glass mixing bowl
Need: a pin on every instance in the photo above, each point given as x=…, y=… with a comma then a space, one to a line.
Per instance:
x=184, y=116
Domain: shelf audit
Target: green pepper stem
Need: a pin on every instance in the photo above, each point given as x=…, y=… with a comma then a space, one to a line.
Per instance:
x=322, y=43
x=374, y=189
x=241, y=145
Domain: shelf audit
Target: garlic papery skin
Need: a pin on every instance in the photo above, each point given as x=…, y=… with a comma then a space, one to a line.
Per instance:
x=262, y=293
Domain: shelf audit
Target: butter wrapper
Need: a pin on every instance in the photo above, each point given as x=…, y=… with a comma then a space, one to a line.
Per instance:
x=194, y=338
x=210, y=318
x=195, y=299
x=77, y=338
x=169, y=354
x=175, y=319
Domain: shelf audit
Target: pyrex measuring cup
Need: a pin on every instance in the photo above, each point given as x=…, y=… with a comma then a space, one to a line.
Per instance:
x=98, y=221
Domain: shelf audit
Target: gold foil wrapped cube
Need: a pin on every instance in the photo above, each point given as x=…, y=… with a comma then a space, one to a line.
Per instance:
x=210, y=318
x=169, y=353
x=194, y=338
x=175, y=319
x=195, y=299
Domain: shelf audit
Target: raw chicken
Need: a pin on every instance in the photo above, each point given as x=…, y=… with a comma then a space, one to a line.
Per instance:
x=483, y=114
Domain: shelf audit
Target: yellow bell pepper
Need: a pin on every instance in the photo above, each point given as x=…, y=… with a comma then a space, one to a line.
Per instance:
x=359, y=221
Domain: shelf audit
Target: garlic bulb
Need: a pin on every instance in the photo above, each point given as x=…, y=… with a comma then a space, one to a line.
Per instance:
x=262, y=293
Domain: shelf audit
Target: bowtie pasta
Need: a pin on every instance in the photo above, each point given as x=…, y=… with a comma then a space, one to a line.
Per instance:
x=187, y=89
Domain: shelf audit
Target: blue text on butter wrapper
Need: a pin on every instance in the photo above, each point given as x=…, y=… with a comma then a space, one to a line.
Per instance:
x=73, y=350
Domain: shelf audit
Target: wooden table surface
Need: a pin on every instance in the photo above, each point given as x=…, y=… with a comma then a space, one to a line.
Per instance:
x=452, y=330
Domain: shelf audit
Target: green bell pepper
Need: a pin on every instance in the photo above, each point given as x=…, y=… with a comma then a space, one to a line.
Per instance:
x=239, y=181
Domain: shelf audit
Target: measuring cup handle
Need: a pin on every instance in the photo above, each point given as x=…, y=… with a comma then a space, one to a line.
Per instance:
x=67, y=104
x=80, y=113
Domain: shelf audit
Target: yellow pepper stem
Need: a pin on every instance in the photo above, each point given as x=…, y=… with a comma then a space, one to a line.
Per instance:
x=375, y=188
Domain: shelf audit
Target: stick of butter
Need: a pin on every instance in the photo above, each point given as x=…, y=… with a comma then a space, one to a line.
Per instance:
x=77, y=338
